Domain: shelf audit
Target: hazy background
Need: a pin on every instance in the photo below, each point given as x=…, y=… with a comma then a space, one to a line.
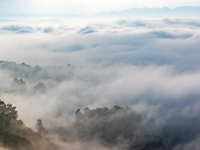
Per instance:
x=87, y=7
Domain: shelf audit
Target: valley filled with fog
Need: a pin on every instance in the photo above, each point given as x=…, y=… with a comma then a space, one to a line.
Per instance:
x=138, y=79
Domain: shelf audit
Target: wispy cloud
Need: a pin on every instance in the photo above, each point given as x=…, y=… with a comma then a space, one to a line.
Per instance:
x=148, y=65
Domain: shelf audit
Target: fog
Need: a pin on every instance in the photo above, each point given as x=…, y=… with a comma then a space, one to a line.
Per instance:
x=151, y=66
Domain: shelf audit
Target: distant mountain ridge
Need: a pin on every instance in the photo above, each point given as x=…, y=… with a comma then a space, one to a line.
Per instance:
x=182, y=11
x=185, y=11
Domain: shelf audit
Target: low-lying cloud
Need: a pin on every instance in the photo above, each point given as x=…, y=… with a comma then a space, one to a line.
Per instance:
x=156, y=42
x=149, y=65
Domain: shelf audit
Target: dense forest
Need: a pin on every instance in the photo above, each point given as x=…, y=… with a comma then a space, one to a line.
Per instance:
x=111, y=127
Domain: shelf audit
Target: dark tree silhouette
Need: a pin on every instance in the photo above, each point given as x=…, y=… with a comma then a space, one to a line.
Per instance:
x=7, y=113
x=40, y=127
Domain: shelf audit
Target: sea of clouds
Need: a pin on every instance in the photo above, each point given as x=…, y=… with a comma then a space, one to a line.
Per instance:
x=152, y=66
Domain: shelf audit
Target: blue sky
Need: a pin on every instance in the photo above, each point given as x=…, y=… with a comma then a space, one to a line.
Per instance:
x=86, y=7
